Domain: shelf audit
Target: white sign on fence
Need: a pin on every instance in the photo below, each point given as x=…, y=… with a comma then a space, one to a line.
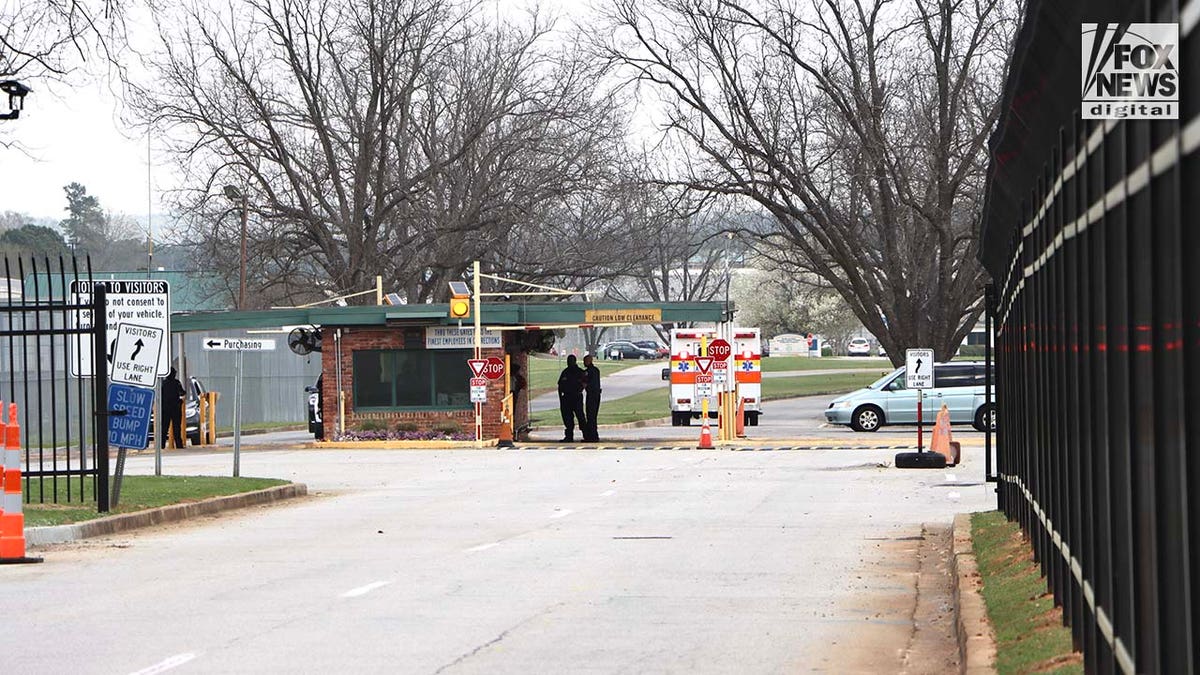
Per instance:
x=145, y=302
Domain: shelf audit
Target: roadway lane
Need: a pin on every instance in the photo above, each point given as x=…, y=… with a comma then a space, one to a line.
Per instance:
x=512, y=561
x=782, y=420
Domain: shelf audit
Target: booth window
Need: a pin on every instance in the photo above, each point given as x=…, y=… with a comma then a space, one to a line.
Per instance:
x=406, y=379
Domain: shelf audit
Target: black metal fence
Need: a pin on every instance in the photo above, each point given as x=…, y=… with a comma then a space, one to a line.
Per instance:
x=1095, y=254
x=47, y=343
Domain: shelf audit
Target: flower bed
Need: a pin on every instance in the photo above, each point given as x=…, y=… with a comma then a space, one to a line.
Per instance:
x=391, y=435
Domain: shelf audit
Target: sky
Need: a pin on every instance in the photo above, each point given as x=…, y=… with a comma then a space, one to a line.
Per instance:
x=75, y=134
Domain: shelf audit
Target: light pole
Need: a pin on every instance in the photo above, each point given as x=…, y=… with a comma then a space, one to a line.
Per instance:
x=236, y=195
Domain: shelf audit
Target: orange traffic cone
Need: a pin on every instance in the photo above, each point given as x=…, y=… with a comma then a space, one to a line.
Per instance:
x=706, y=442
x=941, y=437
x=506, y=435
x=12, y=521
x=740, y=424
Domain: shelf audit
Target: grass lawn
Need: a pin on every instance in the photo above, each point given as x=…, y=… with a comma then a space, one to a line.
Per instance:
x=1030, y=637
x=544, y=370
x=774, y=388
x=775, y=364
x=137, y=493
x=652, y=404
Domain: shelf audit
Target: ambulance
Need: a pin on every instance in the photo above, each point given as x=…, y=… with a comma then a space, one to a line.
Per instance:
x=745, y=363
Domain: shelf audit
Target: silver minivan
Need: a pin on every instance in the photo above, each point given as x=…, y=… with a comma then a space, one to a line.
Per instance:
x=958, y=384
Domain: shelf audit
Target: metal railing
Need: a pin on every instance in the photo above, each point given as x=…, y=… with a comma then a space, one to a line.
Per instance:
x=65, y=444
x=1097, y=303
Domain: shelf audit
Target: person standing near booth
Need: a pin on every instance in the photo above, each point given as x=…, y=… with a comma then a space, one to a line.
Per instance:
x=592, y=409
x=172, y=409
x=571, y=383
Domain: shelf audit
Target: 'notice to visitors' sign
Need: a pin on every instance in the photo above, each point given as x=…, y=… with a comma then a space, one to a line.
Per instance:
x=144, y=302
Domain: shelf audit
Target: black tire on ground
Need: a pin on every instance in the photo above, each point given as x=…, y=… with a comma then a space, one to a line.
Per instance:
x=985, y=414
x=920, y=460
x=686, y=418
x=194, y=439
x=675, y=420
x=751, y=419
x=867, y=418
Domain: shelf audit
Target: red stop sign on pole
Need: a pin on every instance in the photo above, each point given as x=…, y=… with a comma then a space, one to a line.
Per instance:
x=719, y=349
x=494, y=368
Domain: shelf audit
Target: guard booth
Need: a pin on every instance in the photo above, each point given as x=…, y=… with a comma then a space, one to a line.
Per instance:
x=405, y=367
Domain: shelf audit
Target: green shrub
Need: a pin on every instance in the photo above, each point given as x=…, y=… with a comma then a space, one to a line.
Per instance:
x=372, y=425
x=826, y=351
x=406, y=426
x=448, y=427
x=971, y=350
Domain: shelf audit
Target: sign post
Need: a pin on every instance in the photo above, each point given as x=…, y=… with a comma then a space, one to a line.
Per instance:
x=919, y=375
x=241, y=346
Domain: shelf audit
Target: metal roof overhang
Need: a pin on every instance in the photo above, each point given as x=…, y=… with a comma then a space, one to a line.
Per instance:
x=492, y=314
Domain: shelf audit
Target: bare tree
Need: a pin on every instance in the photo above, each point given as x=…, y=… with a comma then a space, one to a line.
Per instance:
x=52, y=38
x=401, y=138
x=860, y=126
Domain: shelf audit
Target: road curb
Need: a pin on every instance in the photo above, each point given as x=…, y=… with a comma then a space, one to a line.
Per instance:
x=976, y=639
x=59, y=534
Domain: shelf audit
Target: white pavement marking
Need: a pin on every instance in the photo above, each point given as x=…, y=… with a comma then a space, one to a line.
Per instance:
x=953, y=496
x=608, y=493
x=561, y=514
x=951, y=478
x=482, y=547
x=363, y=590
x=167, y=664
x=642, y=480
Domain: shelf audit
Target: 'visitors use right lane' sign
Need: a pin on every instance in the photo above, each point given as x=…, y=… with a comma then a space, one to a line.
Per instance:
x=918, y=368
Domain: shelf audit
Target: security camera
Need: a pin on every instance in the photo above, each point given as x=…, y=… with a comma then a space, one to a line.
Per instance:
x=16, y=98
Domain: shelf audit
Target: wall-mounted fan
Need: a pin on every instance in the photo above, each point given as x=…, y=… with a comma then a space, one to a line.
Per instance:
x=304, y=341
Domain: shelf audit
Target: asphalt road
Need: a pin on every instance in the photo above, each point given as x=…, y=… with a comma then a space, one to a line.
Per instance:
x=784, y=420
x=507, y=561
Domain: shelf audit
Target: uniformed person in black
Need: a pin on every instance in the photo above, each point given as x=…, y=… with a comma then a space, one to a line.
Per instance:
x=592, y=407
x=172, y=409
x=571, y=382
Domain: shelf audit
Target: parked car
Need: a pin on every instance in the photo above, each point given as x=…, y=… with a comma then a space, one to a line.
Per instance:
x=316, y=426
x=959, y=385
x=858, y=347
x=660, y=351
x=624, y=349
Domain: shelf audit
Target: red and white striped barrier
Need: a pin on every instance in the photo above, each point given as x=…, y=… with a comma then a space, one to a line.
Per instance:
x=12, y=520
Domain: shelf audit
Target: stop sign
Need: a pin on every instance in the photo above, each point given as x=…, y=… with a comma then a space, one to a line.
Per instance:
x=719, y=349
x=494, y=368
